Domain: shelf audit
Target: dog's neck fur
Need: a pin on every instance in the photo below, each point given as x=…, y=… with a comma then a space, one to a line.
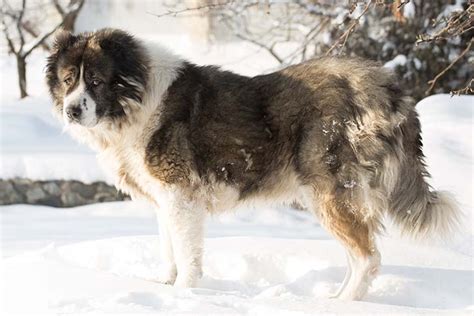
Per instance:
x=163, y=70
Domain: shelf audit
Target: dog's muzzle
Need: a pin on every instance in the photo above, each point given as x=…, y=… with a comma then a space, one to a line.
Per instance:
x=74, y=113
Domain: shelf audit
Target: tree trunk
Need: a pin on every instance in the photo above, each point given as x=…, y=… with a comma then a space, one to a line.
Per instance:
x=69, y=20
x=21, y=68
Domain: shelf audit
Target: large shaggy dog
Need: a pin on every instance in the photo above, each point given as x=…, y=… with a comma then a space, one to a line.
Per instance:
x=336, y=134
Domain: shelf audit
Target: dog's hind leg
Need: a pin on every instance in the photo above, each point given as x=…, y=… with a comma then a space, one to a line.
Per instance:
x=340, y=219
x=346, y=277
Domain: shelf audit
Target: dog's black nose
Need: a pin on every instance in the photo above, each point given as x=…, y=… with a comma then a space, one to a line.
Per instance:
x=74, y=112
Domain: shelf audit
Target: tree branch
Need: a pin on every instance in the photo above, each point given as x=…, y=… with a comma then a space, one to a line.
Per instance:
x=469, y=88
x=269, y=49
x=197, y=8
x=351, y=29
x=30, y=30
x=18, y=25
x=11, y=46
x=433, y=81
x=402, y=3
x=454, y=26
x=41, y=39
x=58, y=7
x=26, y=25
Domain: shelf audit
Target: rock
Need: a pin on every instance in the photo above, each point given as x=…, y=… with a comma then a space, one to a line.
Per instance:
x=35, y=194
x=87, y=191
x=9, y=194
x=52, y=188
x=22, y=185
x=58, y=193
x=72, y=198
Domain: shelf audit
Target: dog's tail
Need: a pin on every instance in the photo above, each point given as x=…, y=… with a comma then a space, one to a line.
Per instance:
x=428, y=214
x=415, y=208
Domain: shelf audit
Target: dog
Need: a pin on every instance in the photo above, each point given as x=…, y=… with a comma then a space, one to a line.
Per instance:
x=336, y=134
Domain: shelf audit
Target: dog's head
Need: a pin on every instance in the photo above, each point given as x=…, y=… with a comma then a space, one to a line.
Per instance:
x=92, y=76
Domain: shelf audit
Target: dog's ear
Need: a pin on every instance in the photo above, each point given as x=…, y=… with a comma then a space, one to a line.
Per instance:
x=62, y=40
x=120, y=45
x=114, y=41
x=130, y=58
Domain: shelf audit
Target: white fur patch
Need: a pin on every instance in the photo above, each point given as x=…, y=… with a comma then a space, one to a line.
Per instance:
x=361, y=271
x=80, y=98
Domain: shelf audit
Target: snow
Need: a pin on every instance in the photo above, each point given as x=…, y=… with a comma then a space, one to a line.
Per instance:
x=102, y=258
x=417, y=63
x=409, y=9
x=33, y=145
x=399, y=60
x=448, y=130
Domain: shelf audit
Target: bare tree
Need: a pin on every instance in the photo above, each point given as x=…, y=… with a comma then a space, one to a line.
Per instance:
x=22, y=37
x=29, y=27
x=69, y=13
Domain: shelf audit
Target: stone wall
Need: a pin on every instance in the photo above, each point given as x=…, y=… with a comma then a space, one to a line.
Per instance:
x=58, y=193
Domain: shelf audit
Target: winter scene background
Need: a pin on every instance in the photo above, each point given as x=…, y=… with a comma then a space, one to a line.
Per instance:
x=70, y=243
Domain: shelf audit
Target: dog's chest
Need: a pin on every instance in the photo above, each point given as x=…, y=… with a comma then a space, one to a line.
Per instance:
x=126, y=164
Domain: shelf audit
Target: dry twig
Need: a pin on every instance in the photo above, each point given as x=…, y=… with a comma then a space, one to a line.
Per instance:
x=458, y=24
x=439, y=75
x=348, y=32
x=468, y=89
x=208, y=6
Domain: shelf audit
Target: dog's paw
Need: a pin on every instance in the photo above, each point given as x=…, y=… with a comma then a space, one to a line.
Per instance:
x=166, y=274
x=189, y=278
x=185, y=282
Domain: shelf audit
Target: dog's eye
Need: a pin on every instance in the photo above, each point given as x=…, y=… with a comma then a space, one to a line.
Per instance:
x=96, y=82
x=68, y=81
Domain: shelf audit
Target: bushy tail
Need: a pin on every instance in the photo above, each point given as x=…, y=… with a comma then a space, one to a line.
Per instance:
x=415, y=208
x=430, y=214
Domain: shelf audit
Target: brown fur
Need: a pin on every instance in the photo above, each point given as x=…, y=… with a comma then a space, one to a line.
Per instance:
x=346, y=225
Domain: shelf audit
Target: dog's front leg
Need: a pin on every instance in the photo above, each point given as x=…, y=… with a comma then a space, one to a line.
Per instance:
x=186, y=229
x=167, y=270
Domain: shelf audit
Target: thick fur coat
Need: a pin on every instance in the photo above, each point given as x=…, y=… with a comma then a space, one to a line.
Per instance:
x=336, y=134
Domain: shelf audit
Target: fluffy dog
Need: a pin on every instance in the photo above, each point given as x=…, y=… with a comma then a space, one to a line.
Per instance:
x=336, y=134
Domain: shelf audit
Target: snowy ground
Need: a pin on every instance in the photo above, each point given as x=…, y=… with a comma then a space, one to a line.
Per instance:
x=100, y=258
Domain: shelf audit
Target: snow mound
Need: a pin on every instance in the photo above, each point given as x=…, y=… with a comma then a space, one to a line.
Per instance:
x=103, y=258
x=242, y=275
